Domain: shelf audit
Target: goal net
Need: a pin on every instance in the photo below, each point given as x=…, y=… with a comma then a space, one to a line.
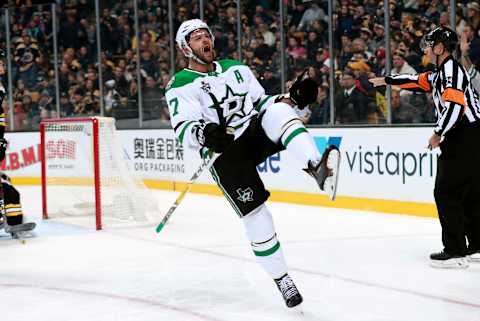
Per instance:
x=86, y=178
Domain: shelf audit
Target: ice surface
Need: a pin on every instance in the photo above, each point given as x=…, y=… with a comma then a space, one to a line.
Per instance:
x=349, y=266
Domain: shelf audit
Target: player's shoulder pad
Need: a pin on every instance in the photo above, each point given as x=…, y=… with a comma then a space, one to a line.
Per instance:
x=228, y=63
x=182, y=78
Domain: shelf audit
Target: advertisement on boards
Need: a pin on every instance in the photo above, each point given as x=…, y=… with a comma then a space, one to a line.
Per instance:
x=380, y=163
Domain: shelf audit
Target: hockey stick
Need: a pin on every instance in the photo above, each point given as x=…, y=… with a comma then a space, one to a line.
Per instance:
x=207, y=163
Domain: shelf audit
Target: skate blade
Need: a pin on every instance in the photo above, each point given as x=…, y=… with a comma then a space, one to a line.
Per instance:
x=459, y=263
x=331, y=182
x=474, y=258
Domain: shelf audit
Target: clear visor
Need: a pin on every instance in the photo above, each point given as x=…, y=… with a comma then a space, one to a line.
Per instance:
x=424, y=43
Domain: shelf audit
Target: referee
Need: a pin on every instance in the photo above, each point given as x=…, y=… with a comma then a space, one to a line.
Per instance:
x=457, y=133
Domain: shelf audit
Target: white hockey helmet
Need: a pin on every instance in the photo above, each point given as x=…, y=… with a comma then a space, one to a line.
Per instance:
x=185, y=29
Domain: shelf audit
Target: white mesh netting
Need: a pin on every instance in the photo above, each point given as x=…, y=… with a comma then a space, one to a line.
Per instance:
x=70, y=180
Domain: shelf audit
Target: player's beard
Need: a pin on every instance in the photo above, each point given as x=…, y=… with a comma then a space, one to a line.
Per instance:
x=206, y=57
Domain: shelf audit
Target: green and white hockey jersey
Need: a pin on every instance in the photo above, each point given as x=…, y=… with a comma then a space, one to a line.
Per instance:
x=234, y=86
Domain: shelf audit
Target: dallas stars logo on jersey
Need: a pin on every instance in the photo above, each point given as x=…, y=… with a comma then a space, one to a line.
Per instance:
x=232, y=104
x=245, y=195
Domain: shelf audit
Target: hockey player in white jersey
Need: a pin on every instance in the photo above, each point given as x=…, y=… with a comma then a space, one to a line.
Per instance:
x=219, y=106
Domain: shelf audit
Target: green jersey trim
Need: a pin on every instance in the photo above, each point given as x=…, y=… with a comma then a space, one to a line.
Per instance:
x=228, y=63
x=293, y=134
x=261, y=103
x=187, y=76
x=182, y=78
x=182, y=133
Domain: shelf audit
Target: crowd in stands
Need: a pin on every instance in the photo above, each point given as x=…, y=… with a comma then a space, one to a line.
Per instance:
x=359, y=46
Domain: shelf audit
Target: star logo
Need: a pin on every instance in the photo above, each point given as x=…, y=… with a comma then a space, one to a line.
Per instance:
x=245, y=195
x=232, y=104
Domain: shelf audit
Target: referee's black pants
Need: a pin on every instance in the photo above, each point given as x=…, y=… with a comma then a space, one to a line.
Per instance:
x=457, y=189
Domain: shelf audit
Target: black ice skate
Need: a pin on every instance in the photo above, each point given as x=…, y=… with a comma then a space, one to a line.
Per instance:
x=326, y=172
x=445, y=260
x=473, y=256
x=289, y=291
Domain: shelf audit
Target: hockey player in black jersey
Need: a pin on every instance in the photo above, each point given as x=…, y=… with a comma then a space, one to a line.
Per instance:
x=219, y=106
x=457, y=132
x=11, y=215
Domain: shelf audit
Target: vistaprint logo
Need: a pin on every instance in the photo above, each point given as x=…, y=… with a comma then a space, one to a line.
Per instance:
x=322, y=142
x=374, y=160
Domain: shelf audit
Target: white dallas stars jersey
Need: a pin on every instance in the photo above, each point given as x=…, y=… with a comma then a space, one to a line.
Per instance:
x=234, y=87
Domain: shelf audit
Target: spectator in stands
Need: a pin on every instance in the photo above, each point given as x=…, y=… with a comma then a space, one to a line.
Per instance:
x=148, y=64
x=268, y=36
x=402, y=111
x=379, y=66
x=345, y=21
x=112, y=97
x=121, y=83
x=27, y=69
x=152, y=97
x=36, y=27
x=350, y=103
x=66, y=107
x=84, y=58
x=32, y=110
x=320, y=110
x=20, y=116
x=400, y=64
x=312, y=45
x=473, y=14
x=467, y=41
x=262, y=51
x=42, y=84
x=312, y=13
x=270, y=82
x=346, y=51
x=69, y=31
x=473, y=42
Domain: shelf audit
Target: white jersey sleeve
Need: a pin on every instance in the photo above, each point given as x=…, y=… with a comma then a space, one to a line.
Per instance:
x=185, y=112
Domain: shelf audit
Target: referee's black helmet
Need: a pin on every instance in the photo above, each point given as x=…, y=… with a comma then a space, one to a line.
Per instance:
x=444, y=35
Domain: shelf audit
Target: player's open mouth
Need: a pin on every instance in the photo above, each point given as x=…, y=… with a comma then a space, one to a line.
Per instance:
x=207, y=49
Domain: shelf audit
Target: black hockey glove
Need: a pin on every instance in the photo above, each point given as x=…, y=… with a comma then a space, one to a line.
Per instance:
x=3, y=148
x=303, y=91
x=214, y=136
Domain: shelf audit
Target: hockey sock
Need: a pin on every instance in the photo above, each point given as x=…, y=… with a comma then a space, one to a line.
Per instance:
x=281, y=124
x=265, y=245
x=14, y=214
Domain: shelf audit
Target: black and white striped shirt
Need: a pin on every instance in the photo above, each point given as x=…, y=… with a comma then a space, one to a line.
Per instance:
x=452, y=92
